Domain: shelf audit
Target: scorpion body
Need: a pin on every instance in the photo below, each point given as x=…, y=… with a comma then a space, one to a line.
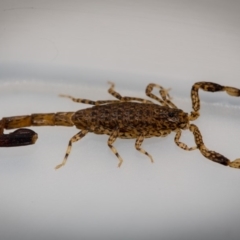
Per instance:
x=127, y=118
x=130, y=119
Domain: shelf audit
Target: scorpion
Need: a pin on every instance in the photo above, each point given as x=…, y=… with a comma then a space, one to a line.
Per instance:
x=126, y=117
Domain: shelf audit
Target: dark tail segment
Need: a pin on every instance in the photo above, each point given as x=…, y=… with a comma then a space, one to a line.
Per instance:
x=24, y=136
x=20, y=137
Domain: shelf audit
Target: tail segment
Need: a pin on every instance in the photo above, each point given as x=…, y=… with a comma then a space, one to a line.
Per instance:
x=20, y=137
x=42, y=119
x=24, y=136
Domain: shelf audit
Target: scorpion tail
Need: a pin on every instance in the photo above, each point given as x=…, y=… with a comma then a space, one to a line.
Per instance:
x=23, y=136
x=20, y=137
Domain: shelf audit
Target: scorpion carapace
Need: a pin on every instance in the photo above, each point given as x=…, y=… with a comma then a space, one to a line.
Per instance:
x=131, y=119
x=127, y=117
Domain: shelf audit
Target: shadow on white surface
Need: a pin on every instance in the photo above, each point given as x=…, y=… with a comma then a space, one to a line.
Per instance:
x=91, y=197
x=75, y=47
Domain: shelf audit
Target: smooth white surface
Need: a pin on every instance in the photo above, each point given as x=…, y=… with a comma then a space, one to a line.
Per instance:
x=75, y=47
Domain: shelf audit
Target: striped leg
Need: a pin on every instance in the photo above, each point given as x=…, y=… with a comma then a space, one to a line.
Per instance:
x=165, y=101
x=166, y=97
x=125, y=99
x=182, y=145
x=75, y=138
x=111, y=140
x=138, y=144
x=87, y=101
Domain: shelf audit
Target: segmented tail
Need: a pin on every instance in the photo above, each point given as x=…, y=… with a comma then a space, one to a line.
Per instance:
x=41, y=119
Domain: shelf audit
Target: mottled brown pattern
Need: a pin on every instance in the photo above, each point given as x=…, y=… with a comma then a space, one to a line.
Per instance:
x=127, y=117
x=131, y=119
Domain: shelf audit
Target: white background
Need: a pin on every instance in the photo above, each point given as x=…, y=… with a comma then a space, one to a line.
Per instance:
x=75, y=47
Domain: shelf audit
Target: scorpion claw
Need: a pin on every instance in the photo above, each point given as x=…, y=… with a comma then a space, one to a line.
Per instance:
x=235, y=163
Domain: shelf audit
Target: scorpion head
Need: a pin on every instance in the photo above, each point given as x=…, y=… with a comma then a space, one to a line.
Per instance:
x=178, y=117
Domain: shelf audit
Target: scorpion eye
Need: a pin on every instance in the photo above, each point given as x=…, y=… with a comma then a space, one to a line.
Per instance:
x=171, y=114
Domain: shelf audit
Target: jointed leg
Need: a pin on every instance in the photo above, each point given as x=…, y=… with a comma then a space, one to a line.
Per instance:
x=100, y=102
x=138, y=144
x=212, y=155
x=111, y=140
x=182, y=145
x=208, y=87
x=75, y=138
x=165, y=101
x=166, y=97
x=125, y=99
x=86, y=101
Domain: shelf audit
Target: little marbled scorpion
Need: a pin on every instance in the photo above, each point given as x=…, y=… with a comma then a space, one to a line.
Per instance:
x=126, y=117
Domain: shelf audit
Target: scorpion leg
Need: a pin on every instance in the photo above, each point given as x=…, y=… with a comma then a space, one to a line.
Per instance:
x=138, y=144
x=211, y=155
x=166, y=97
x=125, y=99
x=182, y=145
x=87, y=101
x=75, y=138
x=111, y=140
x=100, y=102
x=163, y=92
x=208, y=87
